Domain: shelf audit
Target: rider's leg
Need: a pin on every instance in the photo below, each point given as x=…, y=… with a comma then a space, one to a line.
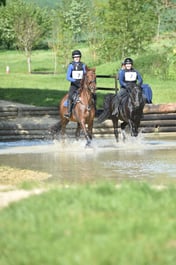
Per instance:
x=69, y=102
x=69, y=108
x=117, y=100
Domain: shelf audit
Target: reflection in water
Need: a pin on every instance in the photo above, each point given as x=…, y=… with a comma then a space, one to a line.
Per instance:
x=141, y=158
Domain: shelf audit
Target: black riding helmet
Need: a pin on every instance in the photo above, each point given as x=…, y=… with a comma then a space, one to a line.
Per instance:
x=128, y=60
x=76, y=53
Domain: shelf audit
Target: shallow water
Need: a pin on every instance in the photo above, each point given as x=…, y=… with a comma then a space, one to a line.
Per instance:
x=150, y=158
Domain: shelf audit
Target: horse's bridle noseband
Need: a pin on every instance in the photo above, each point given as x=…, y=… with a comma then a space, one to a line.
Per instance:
x=92, y=85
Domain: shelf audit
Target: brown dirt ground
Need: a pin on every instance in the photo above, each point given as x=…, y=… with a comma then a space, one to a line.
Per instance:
x=10, y=180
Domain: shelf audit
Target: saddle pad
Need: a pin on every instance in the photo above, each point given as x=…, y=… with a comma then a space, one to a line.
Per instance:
x=65, y=103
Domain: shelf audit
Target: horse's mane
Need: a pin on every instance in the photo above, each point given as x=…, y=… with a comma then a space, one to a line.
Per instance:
x=87, y=70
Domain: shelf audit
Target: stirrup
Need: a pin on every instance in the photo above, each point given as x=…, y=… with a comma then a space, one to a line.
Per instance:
x=67, y=115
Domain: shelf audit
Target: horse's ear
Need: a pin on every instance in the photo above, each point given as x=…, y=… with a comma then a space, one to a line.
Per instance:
x=87, y=68
x=90, y=69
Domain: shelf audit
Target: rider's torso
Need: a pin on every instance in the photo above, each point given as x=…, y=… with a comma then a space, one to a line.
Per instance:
x=78, y=71
x=130, y=76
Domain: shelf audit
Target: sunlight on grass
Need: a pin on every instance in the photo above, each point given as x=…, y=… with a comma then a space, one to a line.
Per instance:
x=92, y=224
x=163, y=90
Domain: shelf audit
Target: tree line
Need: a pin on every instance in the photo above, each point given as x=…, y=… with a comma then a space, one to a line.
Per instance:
x=112, y=29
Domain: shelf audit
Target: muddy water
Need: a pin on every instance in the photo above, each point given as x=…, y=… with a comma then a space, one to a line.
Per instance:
x=149, y=158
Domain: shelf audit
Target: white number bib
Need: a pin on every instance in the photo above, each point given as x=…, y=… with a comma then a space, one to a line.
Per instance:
x=77, y=74
x=130, y=76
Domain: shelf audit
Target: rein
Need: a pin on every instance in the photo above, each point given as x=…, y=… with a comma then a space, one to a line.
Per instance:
x=132, y=94
x=88, y=87
x=88, y=84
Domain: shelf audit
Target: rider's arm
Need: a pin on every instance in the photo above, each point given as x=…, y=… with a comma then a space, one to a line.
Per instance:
x=139, y=78
x=84, y=68
x=118, y=74
x=121, y=78
x=69, y=72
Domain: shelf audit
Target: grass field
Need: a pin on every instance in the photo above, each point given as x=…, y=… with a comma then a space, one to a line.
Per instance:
x=92, y=224
x=47, y=89
x=96, y=224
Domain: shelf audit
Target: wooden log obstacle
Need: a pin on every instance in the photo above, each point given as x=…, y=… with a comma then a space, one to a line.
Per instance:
x=20, y=122
x=32, y=123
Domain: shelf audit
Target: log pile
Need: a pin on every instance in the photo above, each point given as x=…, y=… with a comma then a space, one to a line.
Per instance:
x=159, y=118
x=32, y=123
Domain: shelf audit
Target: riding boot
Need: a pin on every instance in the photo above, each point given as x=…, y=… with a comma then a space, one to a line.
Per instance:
x=116, y=107
x=69, y=109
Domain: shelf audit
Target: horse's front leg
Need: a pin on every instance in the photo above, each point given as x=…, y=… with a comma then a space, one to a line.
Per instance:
x=78, y=130
x=86, y=134
x=123, y=126
x=115, y=126
x=90, y=129
x=133, y=129
x=64, y=122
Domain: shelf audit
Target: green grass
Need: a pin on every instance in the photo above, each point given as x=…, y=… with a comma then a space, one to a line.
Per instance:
x=48, y=89
x=93, y=224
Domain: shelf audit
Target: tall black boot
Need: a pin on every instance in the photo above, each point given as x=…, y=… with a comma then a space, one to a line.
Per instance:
x=69, y=109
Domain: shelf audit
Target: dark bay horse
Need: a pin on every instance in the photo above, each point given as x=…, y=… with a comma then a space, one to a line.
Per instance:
x=130, y=110
x=83, y=110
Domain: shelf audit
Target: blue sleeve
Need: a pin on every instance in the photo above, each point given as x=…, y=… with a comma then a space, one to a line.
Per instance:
x=121, y=78
x=69, y=71
x=84, y=68
x=139, y=78
x=118, y=74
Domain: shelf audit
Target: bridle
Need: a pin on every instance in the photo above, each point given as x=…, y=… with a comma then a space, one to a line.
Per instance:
x=91, y=85
x=135, y=93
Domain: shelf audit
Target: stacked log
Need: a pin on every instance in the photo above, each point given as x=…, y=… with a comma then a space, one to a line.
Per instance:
x=34, y=123
x=159, y=118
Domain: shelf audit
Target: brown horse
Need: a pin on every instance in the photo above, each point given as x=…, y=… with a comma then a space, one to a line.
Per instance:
x=83, y=110
x=130, y=110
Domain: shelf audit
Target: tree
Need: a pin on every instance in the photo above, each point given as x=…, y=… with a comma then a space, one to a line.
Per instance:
x=2, y=2
x=165, y=12
x=30, y=25
x=61, y=40
x=93, y=31
x=7, y=35
x=128, y=25
x=68, y=29
x=76, y=17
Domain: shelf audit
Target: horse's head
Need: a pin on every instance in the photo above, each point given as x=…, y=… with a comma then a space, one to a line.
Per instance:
x=135, y=93
x=89, y=80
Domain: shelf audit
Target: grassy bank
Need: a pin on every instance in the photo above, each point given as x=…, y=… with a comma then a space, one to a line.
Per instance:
x=47, y=89
x=100, y=224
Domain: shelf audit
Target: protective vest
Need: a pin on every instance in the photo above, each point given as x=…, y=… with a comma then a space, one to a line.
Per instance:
x=78, y=71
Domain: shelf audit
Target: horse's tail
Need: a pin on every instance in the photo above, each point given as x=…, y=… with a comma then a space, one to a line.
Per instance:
x=106, y=108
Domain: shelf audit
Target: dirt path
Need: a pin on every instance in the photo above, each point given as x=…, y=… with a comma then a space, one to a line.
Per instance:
x=12, y=178
x=8, y=196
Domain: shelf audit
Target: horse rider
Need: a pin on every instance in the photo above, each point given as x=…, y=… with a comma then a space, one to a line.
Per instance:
x=126, y=76
x=75, y=71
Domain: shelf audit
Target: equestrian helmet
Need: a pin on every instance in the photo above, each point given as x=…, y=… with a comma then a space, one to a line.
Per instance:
x=76, y=53
x=128, y=61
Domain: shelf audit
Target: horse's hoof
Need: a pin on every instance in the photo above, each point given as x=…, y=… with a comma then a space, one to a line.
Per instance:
x=88, y=144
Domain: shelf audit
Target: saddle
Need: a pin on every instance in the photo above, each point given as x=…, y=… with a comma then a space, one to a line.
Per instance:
x=75, y=99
